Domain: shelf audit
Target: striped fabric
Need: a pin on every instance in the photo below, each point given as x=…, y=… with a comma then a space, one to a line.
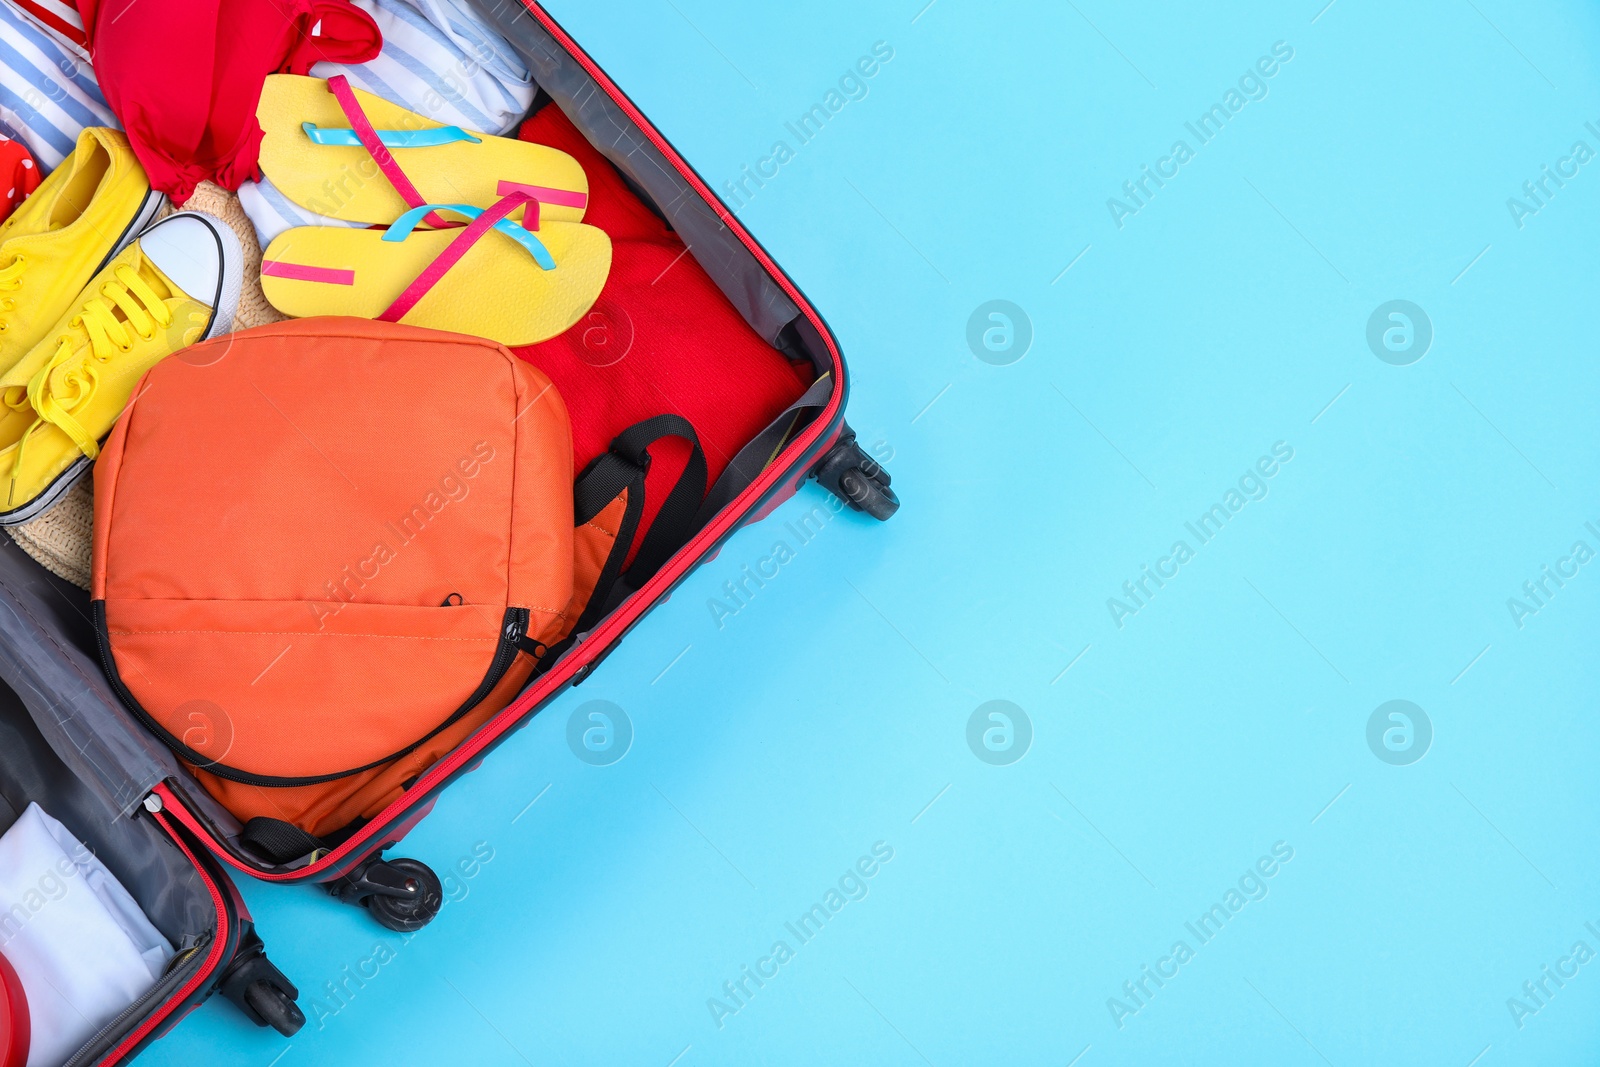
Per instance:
x=441, y=60
x=47, y=94
x=271, y=212
x=60, y=19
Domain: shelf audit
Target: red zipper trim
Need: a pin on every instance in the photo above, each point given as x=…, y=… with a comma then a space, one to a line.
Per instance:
x=599, y=639
x=219, y=943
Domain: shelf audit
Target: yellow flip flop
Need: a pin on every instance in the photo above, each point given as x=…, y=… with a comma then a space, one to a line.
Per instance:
x=514, y=286
x=345, y=153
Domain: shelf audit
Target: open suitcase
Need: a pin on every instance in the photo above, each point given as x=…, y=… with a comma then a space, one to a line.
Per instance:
x=67, y=742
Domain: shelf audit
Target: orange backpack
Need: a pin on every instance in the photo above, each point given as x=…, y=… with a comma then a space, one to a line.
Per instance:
x=325, y=552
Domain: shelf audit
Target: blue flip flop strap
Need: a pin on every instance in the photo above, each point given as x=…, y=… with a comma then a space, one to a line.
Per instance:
x=401, y=228
x=431, y=138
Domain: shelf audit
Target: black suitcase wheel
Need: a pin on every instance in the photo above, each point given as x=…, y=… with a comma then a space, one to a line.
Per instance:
x=424, y=898
x=259, y=989
x=402, y=894
x=856, y=478
x=274, y=1007
x=868, y=494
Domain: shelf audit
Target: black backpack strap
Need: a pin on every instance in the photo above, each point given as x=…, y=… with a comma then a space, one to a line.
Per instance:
x=621, y=468
x=674, y=523
x=278, y=841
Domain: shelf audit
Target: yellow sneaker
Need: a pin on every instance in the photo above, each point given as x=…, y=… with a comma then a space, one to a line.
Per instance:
x=85, y=212
x=177, y=284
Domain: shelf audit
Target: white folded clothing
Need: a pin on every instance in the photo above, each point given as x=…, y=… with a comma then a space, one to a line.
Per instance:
x=81, y=946
x=445, y=61
x=270, y=212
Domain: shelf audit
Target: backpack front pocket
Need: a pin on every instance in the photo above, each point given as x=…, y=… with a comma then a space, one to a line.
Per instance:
x=331, y=688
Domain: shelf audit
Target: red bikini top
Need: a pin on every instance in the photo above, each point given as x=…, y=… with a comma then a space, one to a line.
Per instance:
x=184, y=76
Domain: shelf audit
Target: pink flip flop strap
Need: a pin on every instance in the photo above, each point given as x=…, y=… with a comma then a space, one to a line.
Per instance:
x=452, y=255
x=545, y=194
x=339, y=86
x=300, y=272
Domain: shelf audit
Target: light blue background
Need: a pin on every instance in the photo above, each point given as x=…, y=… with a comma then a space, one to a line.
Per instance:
x=1229, y=714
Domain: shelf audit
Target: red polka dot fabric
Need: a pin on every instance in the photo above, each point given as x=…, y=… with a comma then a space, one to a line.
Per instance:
x=18, y=173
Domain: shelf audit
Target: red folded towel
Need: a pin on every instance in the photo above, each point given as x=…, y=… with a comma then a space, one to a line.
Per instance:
x=661, y=339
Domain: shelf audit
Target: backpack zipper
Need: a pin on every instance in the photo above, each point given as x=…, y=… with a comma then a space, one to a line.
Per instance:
x=512, y=640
